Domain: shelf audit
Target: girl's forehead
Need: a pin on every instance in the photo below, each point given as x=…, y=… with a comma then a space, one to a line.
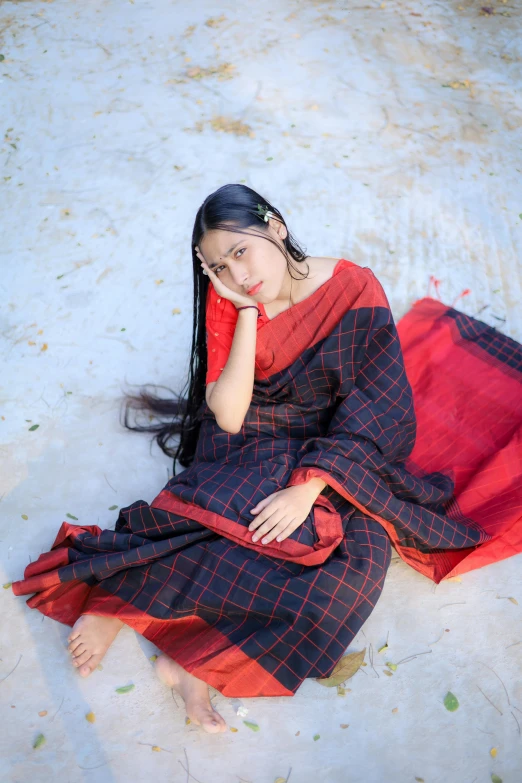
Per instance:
x=218, y=243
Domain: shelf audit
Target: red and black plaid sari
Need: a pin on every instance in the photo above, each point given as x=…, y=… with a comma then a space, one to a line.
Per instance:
x=432, y=468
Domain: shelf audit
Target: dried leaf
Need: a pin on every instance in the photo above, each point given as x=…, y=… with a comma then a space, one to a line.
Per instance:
x=39, y=741
x=99, y=667
x=71, y=516
x=344, y=725
x=493, y=753
x=7, y=585
x=297, y=733
x=341, y=691
x=91, y=717
x=395, y=709
x=419, y=780
x=454, y=579
x=24, y=516
x=42, y=714
x=392, y=666
x=388, y=673
x=280, y=780
x=187, y=721
x=495, y=778
x=251, y=725
x=345, y=668
x=513, y=601
x=233, y=728
x=316, y=737
x=384, y=647
x=125, y=689
x=156, y=748
x=451, y=702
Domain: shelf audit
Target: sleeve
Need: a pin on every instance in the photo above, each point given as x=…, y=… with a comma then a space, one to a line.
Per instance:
x=221, y=319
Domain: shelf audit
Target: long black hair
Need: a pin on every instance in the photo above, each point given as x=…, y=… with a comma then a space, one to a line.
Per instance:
x=232, y=207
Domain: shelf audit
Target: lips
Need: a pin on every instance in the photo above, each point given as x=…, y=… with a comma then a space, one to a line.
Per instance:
x=255, y=289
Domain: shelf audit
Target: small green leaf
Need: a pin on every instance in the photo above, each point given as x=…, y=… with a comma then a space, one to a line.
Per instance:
x=7, y=585
x=71, y=516
x=316, y=737
x=24, y=516
x=59, y=277
x=123, y=330
x=270, y=159
x=125, y=689
x=111, y=508
x=34, y=427
x=39, y=741
x=392, y=666
x=251, y=725
x=451, y=702
x=384, y=647
x=495, y=778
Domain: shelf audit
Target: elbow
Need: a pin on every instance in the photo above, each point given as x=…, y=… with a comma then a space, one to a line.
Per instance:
x=232, y=427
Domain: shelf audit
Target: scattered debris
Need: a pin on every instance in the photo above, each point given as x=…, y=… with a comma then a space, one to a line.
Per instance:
x=451, y=702
x=39, y=741
x=125, y=689
x=345, y=668
x=12, y=670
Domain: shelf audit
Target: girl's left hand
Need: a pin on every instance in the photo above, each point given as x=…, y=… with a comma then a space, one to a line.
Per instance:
x=282, y=512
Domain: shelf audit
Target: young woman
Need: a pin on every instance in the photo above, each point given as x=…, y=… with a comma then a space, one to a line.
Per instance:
x=255, y=567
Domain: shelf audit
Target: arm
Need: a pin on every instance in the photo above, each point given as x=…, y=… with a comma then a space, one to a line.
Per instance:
x=229, y=397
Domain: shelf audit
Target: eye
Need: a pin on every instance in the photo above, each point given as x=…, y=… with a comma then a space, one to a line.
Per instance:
x=216, y=271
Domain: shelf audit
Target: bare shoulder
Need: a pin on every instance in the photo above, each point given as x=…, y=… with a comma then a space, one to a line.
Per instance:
x=321, y=268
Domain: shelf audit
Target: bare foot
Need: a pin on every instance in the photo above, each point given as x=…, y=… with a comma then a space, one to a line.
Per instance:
x=194, y=693
x=90, y=639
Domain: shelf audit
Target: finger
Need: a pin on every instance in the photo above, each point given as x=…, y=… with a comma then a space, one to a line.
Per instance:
x=265, y=513
x=288, y=530
x=276, y=531
x=256, y=509
x=267, y=526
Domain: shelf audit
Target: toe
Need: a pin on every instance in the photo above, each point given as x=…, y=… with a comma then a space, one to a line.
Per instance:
x=212, y=721
x=87, y=668
x=79, y=649
x=73, y=635
x=74, y=644
x=82, y=658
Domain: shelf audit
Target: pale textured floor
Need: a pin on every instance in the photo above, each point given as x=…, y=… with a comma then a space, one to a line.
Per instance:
x=344, y=118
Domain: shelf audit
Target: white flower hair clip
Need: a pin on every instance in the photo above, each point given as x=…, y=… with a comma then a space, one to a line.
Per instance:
x=264, y=212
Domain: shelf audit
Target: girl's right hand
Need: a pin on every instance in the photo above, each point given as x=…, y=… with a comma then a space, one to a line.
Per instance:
x=239, y=300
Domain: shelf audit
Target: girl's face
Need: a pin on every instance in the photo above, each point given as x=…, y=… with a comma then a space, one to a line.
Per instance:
x=241, y=261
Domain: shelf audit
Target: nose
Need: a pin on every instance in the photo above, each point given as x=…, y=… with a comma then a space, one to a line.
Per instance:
x=239, y=275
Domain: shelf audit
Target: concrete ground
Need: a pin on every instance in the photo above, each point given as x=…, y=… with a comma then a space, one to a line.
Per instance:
x=388, y=134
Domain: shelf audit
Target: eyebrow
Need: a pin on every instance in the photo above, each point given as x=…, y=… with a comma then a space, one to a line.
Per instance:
x=211, y=266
